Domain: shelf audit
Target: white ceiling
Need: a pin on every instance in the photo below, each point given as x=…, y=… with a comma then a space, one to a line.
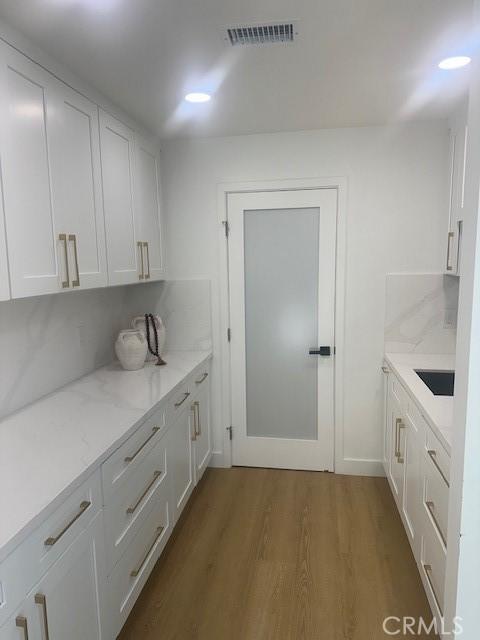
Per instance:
x=356, y=62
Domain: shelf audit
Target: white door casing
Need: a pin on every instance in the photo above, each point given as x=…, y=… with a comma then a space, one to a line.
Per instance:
x=315, y=454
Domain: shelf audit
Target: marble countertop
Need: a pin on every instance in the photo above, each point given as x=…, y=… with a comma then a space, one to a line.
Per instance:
x=437, y=410
x=51, y=446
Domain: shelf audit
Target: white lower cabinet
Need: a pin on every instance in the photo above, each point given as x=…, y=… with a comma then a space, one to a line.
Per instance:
x=181, y=458
x=203, y=438
x=67, y=602
x=67, y=599
x=79, y=573
x=417, y=469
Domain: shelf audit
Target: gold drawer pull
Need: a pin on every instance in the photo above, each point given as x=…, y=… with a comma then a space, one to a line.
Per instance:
x=200, y=380
x=141, y=275
x=42, y=601
x=134, y=507
x=428, y=573
x=433, y=456
x=450, y=236
x=194, y=411
x=185, y=396
x=147, y=275
x=63, y=238
x=49, y=542
x=431, y=508
x=73, y=238
x=398, y=426
x=129, y=459
x=198, y=431
x=21, y=623
x=135, y=572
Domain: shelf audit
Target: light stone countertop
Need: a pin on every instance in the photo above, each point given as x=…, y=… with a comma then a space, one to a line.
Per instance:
x=437, y=410
x=50, y=447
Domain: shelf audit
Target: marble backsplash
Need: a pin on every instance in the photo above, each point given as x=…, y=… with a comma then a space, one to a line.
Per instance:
x=421, y=313
x=49, y=341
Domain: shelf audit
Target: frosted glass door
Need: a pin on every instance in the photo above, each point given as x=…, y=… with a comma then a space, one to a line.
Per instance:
x=281, y=312
x=282, y=253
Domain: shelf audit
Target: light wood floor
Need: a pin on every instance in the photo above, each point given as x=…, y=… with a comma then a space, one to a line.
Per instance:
x=262, y=554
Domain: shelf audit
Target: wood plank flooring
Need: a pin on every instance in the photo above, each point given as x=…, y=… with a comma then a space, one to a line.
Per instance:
x=264, y=554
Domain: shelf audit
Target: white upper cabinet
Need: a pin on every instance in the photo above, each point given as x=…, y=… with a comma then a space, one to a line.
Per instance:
x=117, y=152
x=4, y=279
x=148, y=210
x=52, y=181
x=32, y=245
x=457, y=166
x=76, y=187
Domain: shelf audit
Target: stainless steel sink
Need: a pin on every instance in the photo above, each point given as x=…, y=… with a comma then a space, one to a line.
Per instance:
x=440, y=383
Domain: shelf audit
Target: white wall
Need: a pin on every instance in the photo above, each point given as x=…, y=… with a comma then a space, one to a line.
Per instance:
x=396, y=219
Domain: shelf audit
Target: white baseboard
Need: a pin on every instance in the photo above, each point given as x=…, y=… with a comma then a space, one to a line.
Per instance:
x=348, y=466
x=358, y=467
x=217, y=460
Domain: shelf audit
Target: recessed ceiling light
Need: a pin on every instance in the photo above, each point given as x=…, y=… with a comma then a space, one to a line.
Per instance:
x=197, y=97
x=454, y=63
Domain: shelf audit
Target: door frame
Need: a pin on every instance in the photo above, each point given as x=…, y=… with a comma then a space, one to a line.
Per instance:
x=223, y=190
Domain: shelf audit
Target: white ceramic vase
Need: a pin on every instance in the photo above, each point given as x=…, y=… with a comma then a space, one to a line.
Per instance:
x=131, y=349
x=138, y=323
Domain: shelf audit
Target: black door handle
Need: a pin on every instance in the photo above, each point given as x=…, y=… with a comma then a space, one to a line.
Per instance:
x=320, y=351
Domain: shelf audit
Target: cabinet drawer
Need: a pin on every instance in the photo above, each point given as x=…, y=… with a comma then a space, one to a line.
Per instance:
x=438, y=456
x=179, y=401
x=26, y=565
x=127, y=508
x=123, y=463
x=131, y=572
x=433, y=564
x=399, y=392
x=435, y=498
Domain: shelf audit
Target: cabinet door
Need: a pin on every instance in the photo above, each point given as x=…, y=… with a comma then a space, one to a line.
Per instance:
x=68, y=597
x=412, y=485
x=117, y=152
x=385, y=420
x=397, y=441
x=457, y=167
x=76, y=185
x=180, y=455
x=148, y=208
x=4, y=278
x=26, y=172
x=23, y=625
x=203, y=445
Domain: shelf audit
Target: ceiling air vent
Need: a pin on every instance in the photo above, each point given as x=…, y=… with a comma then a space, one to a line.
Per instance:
x=261, y=34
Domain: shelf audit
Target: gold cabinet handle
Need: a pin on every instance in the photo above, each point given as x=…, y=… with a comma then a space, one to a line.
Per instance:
x=147, y=275
x=141, y=275
x=398, y=425
x=63, y=238
x=198, y=431
x=428, y=573
x=73, y=238
x=135, y=506
x=201, y=379
x=135, y=572
x=431, y=509
x=42, y=601
x=129, y=459
x=194, y=411
x=21, y=623
x=49, y=542
x=451, y=234
x=180, y=402
x=433, y=456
